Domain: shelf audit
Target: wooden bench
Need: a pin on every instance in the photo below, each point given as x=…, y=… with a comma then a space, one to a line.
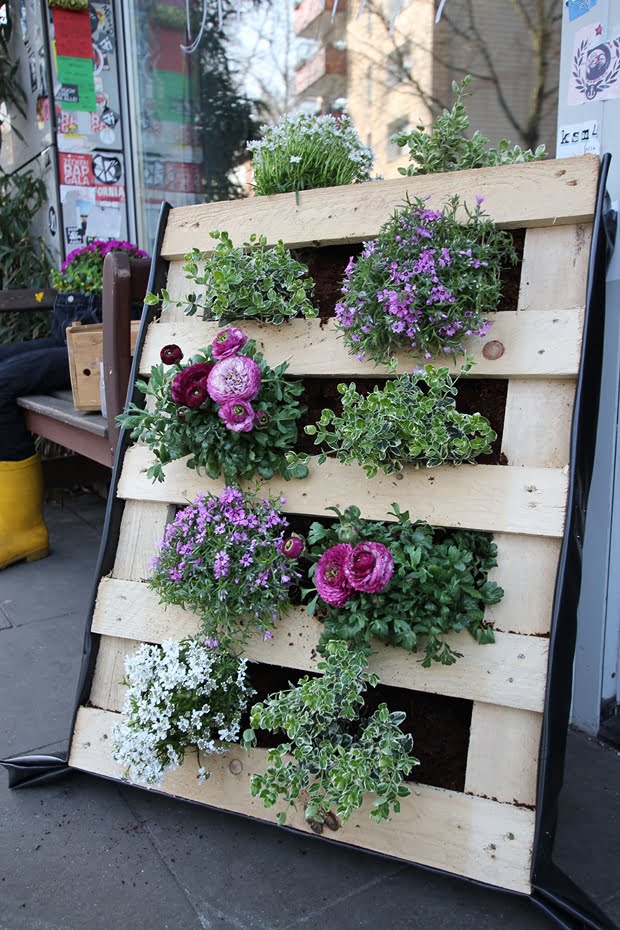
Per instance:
x=53, y=416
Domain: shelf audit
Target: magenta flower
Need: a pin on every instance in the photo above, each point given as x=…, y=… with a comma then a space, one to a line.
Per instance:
x=329, y=577
x=236, y=378
x=171, y=354
x=237, y=415
x=228, y=342
x=292, y=547
x=185, y=380
x=369, y=567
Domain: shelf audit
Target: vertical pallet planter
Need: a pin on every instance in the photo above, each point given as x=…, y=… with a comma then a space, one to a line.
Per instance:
x=486, y=830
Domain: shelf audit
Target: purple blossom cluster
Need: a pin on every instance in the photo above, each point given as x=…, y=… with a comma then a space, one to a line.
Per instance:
x=231, y=382
x=101, y=247
x=425, y=285
x=225, y=556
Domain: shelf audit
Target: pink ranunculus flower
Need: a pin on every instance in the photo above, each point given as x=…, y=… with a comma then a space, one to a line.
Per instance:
x=228, y=342
x=235, y=378
x=329, y=577
x=370, y=567
x=186, y=379
x=237, y=415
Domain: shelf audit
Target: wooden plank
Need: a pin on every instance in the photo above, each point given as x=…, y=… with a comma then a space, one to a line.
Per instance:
x=533, y=345
x=59, y=406
x=549, y=248
x=511, y=672
x=457, y=833
x=142, y=527
x=502, y=759
x=526, y=570
x=530, y=439
x=536, y=194
x=481, y=497
x=107, y=689
x=25, y=299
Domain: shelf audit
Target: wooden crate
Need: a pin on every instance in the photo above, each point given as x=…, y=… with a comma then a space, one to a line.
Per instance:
x=486, y=831
x=85, y=349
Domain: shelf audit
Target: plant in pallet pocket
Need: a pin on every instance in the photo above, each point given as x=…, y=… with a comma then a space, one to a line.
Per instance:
x=231, y=559
x=450, y=147
x=403, y=583
x=245, y=282
x=426, y=284
x=411, y=420
x=180, y=695
x=226, y=409
x=331, y=749
x=304, y=152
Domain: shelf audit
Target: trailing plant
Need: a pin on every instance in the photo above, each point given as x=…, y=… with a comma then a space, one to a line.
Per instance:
x=245, y=282
x=24, y=258
x=304, y=152
x=331, y=749
x=180, y=695
x=226, y=409
x=82, y=270
x=403, y=583
x=426, y=284
x=411, y=420
x=231, y=559
x=449, y=147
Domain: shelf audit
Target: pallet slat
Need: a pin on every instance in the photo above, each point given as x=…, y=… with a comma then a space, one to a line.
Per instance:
x=511, y=672
x=446, y=830
x=479, y=497
x=502, y=759
x=549, y=193
x=565, y=247
x=536, y=345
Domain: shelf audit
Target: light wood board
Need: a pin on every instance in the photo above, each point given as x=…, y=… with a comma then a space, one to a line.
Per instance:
x=468, y=836
x=536, y=194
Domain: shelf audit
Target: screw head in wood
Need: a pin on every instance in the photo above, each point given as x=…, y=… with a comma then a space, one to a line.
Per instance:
x=493, y=350
x=236, y=766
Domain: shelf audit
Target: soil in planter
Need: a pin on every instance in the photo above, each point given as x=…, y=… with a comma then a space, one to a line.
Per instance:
x=475, y=395
x=439, y=724
x=327, y=264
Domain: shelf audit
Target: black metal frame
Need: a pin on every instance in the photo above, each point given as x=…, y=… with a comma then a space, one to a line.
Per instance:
x=552, y=891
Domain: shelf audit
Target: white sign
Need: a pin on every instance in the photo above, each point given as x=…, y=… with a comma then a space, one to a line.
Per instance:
x=578, y=139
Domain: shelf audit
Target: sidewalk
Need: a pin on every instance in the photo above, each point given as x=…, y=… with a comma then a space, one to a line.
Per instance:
x=86, y=854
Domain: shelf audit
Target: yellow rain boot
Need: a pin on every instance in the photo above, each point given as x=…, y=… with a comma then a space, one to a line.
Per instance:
x=23, y=534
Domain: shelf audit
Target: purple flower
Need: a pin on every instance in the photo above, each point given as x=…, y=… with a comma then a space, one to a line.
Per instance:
x=236, y=378
x=211, y=643
x=237, y=415
x=196, y=395
x=369, y=567
x=221, y=564
x=262, y=419
x=185, y=380
x=330, y=579
x=480, y=198
x=292, y=547
x=228, y=342
x=171, y=354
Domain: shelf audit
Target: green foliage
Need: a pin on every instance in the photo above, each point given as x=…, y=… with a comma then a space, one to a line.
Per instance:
x=413, y=419
x=248, y=282
x=332, y=750
x=447, y=147
x=440, y=585
x=305, y=152
x=24, y=258
x=202, y=435
x=426, y=284
x=12, y=94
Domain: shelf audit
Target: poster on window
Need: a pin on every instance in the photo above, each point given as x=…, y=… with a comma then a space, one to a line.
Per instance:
x=93, y=197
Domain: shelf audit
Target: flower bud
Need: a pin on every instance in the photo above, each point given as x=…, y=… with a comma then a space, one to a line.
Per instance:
x=292, y=547
x=171, y=354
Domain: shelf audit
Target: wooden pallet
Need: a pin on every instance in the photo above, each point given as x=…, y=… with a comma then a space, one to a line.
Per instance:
x=485, y=832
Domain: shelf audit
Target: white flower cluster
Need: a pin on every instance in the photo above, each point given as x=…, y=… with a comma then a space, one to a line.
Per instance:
x=180, y=694
x=305, y=131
